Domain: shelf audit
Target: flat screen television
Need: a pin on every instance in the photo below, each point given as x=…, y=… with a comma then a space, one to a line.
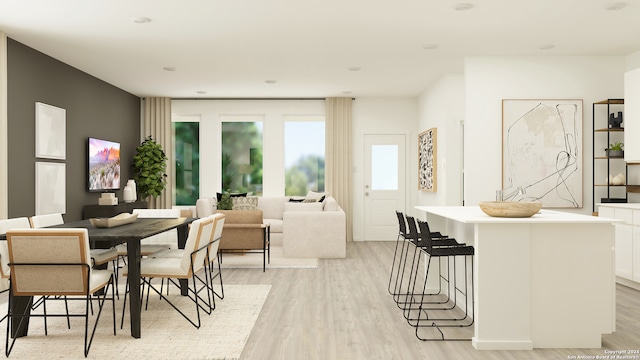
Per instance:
x=104, y=165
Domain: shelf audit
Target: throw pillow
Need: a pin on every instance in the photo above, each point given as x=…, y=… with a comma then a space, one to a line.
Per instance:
x=245, y=203
x=317, y=195
x=310, y=200
x=296, y=199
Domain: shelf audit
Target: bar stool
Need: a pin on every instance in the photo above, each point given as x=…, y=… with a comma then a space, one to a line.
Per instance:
x=414, y=239
x=424, y=319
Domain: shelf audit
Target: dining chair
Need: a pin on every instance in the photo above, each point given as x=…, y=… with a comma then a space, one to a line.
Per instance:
x=152, y=244
x=55, y=263
x=99, y=257
x=212, y=254
x=185, y=267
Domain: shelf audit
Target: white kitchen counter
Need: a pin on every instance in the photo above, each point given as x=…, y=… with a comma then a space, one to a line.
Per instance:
x=546, y=281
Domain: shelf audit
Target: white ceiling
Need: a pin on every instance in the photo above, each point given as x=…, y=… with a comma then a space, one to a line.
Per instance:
x=229, y=48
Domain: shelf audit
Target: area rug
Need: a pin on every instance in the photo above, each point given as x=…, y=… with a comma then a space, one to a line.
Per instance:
x=252, y=260
x=165, y=334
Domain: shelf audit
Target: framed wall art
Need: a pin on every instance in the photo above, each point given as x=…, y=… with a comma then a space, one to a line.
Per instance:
x=427, y=160
x=50, y=132
x=542, y=151
x=50, y=188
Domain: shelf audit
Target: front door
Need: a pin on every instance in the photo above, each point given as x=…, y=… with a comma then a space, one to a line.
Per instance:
x=384, y=189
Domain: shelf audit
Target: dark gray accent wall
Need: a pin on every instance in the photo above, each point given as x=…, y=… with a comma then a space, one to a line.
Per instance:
x=93, y=107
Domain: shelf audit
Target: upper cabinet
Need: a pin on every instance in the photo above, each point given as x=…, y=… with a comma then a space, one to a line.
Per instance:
x=632, y=116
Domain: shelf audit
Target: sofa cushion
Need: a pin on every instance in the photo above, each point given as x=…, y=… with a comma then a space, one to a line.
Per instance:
x=272, y=206
x=245, y=203
x=330, y=204
x=314, y=206
x=206, y=207
x=316, y=195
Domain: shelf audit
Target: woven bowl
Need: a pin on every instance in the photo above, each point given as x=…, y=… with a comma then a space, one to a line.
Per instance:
x=514, y=209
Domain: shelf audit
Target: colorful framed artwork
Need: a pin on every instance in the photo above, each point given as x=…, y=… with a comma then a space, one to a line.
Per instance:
x=427, y=160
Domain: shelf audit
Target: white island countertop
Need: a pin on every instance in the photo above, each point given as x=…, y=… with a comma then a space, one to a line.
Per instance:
x=474, y=215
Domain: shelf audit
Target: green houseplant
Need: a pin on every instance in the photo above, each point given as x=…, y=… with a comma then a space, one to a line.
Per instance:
x=149, y=165
x=615, y=150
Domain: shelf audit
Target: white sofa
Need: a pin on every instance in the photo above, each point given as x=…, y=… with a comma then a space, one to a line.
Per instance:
x=304, y=230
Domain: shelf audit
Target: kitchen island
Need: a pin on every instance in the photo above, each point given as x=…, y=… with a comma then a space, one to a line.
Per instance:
x=545, y=281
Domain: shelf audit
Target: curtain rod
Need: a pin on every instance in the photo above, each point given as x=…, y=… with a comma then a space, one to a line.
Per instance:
x=315, y=99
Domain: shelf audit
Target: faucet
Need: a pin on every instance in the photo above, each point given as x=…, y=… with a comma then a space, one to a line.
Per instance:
x=501, y=197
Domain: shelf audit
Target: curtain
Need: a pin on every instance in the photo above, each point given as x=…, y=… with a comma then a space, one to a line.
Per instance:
x=156, y=121
x=339, y=152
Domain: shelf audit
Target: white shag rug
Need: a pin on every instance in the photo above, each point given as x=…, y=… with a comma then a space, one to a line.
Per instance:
x=165, y=333
x=251, y=260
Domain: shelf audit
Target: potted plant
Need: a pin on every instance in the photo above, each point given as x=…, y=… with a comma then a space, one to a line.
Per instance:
x=615, y=150
x=149, y=166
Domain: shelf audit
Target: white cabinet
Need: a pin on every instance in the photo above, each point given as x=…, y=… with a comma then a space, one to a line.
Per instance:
x=627, y=240
x=624, y=250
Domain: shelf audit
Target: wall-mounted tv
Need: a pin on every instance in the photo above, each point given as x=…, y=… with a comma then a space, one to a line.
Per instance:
x=104, y=165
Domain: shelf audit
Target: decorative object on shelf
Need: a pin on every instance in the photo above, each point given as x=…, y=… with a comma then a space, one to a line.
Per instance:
x=149, y=166
x=120, y=219
x=108, y=199
x=513, y=209
x=615, y=121
x=618, y=179
x=551, y=171
x=615, y=150
x=427, y=160
x=127, y=194
x=132, y=184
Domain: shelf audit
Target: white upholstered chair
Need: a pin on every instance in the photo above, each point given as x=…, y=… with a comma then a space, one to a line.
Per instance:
x=185, y=267
x=55, y=263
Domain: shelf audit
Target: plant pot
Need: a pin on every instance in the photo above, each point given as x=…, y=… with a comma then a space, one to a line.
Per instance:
x=614, y=153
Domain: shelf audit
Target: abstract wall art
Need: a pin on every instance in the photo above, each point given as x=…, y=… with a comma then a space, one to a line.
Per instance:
x=50, y=132
x=427, y=160
x=542, y=151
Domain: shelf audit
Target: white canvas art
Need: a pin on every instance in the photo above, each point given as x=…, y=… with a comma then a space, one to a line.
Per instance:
x=542, y=151
x=50, y=132
x=50, y=188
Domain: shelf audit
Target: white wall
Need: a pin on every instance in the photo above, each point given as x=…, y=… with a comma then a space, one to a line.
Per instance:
x=442, y=107
x=383, y=116
x=488, y=80
x=633, y=61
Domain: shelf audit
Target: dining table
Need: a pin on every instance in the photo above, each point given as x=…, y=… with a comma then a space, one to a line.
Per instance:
x=131, y=234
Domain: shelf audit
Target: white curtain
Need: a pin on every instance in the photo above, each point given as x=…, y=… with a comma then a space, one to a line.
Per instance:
x=339, y=150
x=156, y=121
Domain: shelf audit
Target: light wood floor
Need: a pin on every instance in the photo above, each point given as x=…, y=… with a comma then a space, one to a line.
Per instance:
x=342, y=311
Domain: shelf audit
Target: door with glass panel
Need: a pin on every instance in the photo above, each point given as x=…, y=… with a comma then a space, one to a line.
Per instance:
x=384, y=185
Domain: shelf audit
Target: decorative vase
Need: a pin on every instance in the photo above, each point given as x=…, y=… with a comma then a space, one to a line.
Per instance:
x=132, y=185
x=127, y=194
x=619, y=179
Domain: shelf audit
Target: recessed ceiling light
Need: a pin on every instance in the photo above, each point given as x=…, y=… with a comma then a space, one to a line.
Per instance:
x=169, y=68
x=270, y=81
x=430, y=46
x=202, y=92
x=354, y=68
x=615, y=6
x=463, y=6
x=141, y=20
x=546, y=47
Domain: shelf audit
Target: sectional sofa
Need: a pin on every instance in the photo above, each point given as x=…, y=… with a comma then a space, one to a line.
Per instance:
x=303, y=229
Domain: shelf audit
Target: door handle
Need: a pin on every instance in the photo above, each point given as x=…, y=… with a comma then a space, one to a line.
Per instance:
x=366, y=194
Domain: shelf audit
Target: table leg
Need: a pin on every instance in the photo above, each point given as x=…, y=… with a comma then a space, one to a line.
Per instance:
x=133, y=254
x=20, y=305
x=183, y=232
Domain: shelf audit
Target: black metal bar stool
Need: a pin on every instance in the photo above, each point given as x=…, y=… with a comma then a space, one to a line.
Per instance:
x=403, y=298
x=424, y=318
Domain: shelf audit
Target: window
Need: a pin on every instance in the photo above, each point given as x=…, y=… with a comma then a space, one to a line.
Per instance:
x=187, y=156
x=304, y=154
x=242, y=154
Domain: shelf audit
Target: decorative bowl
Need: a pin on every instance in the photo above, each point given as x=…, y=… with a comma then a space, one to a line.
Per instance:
x=514, y=209
x=120, y=219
